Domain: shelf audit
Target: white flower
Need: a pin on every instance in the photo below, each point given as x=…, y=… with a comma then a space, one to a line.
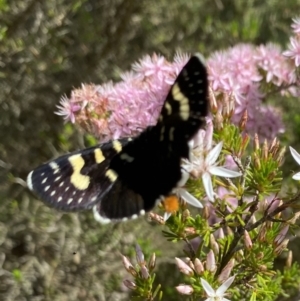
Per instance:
x=296, y=156
x=219, y=294
x=203, y=159
x=184, y=194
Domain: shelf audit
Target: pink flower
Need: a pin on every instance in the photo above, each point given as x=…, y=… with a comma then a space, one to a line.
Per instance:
x=294, y=50
x=155, y=65
x=296, y=25
x=267, y=123
x=218, y=70
x=269, y=58
x=242, y=65
x=67, y=109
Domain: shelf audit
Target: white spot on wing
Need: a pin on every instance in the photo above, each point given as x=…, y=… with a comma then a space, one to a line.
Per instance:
x=59, y=199
x=99, y=218
x=80, y=200
x=47, y=188
x=57, y=178
x=29, y=181
x=61, y=184
x=70, y=200
x=54, y=166
x=53, y=193
x=44, y=180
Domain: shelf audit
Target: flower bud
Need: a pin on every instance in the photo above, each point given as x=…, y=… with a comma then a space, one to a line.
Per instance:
x=221, y=233
x=256, y=142
x=225, y=273
x=199, y=268
x=184, y=289
x=183, y=267
x=130, y=284
x=205, y=212
x=185, y=215
x=281, y=236
x=265, y=150
x=139, y=255
x=144, y=272
x=247, y=240
x=211, y=261
x=128, y=266
x=152, y=262
x=289, y=259
x=243, y=121
x=281, y=247
x=212, y=101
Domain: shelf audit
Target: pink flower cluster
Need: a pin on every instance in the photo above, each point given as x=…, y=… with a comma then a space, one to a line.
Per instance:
x=124, y=109
x=294, y=47
x=246, y=72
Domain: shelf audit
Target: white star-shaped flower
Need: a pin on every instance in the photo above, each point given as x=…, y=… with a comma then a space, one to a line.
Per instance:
x=203, y=158
x=296, y=156
x=216, y=295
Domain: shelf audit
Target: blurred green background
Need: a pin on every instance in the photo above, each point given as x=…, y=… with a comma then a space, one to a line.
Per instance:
x=46, y=49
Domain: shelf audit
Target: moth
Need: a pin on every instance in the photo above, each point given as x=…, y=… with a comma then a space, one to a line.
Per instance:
x=125, y=178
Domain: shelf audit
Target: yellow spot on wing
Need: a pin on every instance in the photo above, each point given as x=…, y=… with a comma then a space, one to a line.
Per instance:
x=126, y=157
x=117, y=145
x=184, y=108
x=168, y=108
x=99, y=157
x=111, y=174
x=162, y=132
x=171, y=133
x=79, y=180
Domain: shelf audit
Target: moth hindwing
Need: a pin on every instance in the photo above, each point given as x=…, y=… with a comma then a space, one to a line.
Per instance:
x=122, y=179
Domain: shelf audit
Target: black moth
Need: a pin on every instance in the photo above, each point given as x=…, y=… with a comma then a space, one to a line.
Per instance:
x=125, y=178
